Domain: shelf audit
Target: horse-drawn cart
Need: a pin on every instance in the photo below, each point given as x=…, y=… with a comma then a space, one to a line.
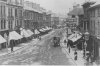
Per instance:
x=56, y=41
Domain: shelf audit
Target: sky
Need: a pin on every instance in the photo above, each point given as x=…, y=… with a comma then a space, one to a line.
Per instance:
x=59, y=6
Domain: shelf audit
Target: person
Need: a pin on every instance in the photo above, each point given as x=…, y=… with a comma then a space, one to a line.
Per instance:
x=39, y=37
x=69, y=49
x=11, y=42
x=65, y=41
x=75, y=54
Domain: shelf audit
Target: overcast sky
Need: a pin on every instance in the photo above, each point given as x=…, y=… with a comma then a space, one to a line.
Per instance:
x=59, y=6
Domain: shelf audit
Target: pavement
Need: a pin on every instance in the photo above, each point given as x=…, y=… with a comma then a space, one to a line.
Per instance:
x=18, y=47
x=80, y=61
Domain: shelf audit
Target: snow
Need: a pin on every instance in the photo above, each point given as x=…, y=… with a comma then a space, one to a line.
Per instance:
x=74, y=37
x=2, y=40
x=36, y=31
x=24, y=33
x=14, y=35
x=30, y=32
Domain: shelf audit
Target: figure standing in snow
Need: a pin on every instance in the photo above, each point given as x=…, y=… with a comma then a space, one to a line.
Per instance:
x=75, y=54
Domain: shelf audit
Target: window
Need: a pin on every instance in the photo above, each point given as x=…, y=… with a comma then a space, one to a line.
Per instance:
x=10, y=24
x=4, y=24
x=16, y=13
x=99, y=28
x=94, y=28
x=98, y=12
x=4, y=11
x=1, y=24
x=1, y=10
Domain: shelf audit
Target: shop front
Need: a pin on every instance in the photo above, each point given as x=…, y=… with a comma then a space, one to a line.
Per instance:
x=97, y=51
x=14, y=38
x=93, y=48
x=5, y=35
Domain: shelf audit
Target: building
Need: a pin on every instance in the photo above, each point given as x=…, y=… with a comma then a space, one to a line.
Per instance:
x=11, y=16
x=74, y=15
x=3, y=18
x=54, y=20
x=30, y=16
x=14, y=14
x=4, y=32
x=94, y=29
x=91, y=23
x=35, y=16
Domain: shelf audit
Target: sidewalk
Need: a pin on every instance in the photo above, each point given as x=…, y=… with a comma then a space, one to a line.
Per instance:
x=80, y=60
x=20, y=46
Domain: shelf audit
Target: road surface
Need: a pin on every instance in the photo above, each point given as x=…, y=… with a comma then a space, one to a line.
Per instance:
x=42, y=53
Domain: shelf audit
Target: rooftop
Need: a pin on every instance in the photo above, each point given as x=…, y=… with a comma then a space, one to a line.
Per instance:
x=97, y=4
x=76, y=11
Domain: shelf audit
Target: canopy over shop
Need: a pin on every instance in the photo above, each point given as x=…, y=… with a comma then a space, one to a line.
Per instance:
x=2, y=40
x=75, y=40
x=14, y=36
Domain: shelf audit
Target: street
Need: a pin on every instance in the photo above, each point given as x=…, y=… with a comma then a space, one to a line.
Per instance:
x=42, y=53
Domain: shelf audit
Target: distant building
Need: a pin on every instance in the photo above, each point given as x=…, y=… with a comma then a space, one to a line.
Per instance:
x=35, y=16
x=73, y=16
x=54, y=20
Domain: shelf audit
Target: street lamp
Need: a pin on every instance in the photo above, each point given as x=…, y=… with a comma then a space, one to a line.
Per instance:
x=86, y=37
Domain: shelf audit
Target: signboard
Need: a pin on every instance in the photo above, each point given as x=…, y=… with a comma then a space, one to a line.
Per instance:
x=72, y=20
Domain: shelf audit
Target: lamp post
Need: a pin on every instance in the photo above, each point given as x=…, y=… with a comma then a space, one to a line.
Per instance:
x=86, y=39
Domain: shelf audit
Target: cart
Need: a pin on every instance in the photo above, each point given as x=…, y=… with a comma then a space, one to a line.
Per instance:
x=56, y=41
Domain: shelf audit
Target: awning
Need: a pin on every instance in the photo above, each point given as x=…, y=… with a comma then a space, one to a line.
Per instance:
x=2, y=40
x=30, y=32
x=24, y=33
x=44, y=29
x=36, y=31
x=14, y=36
x=41, y=30
x=76, y=37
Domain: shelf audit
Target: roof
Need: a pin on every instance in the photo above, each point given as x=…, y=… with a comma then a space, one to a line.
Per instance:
x=76, y=11
x=97, y=4
x=31, y=9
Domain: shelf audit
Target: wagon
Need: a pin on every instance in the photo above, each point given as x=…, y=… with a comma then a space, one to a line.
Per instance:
x=56, y=41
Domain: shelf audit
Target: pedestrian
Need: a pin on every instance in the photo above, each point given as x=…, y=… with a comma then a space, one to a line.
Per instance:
x=84, y=53
x=69, y=49
x=75, y=54
x=65, y=41
x=11, y=43
x=39, y=37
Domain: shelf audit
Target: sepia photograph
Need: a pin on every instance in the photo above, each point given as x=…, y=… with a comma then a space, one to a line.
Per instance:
x=50, y=32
